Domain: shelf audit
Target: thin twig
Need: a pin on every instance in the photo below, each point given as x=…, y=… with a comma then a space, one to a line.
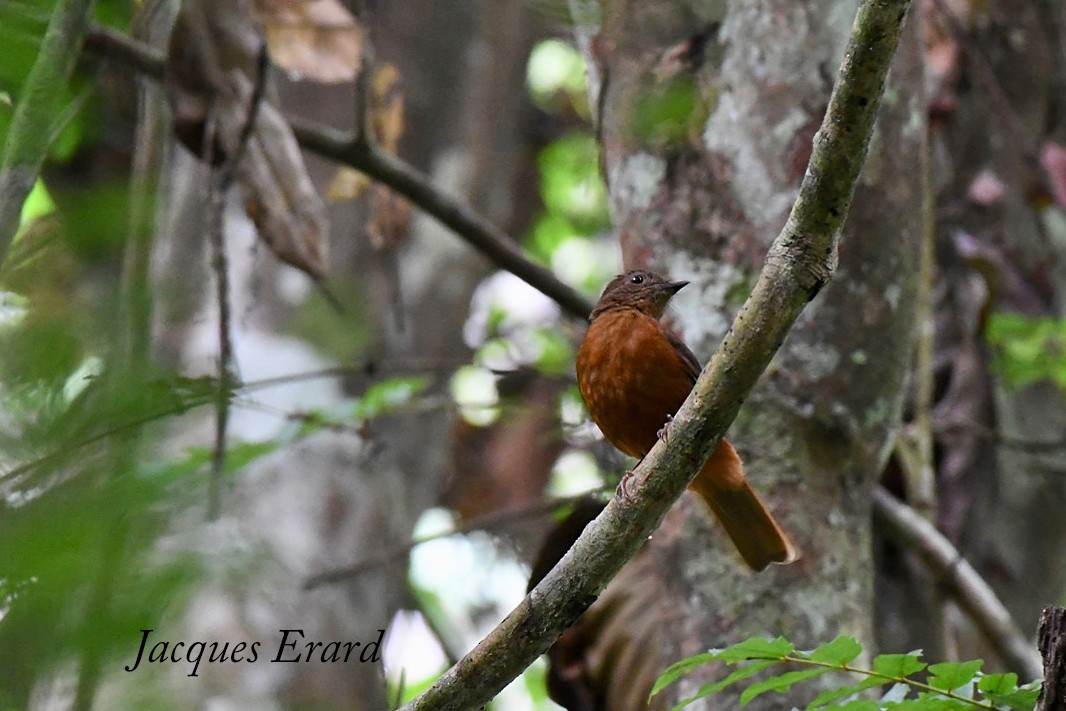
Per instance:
x=151, y=134
x=473, y=227
x=908, y=528
x=256, y=101
x=367, y=370
x=343, y=147
x=225, y=373
x=977, y=429
x=452, y=651
x=113, y=46
x=487, y=522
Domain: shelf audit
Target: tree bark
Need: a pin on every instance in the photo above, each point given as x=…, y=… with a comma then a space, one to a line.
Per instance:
x=734, y=93
x=1051, y=639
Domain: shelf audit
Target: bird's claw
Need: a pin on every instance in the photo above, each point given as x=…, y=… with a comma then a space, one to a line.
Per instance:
x=665, y=429
x=622, y=490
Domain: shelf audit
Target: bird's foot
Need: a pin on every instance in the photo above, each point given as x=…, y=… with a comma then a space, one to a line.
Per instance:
x=622, y=490
x=665, y=429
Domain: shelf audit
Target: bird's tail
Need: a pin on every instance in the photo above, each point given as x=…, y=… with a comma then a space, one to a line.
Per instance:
x=723, y=487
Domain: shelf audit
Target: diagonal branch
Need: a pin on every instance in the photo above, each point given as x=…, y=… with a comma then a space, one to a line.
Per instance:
x=799, y=263
x=350, y=149
x=487, y=522
x=910, y=529
x=463, y=220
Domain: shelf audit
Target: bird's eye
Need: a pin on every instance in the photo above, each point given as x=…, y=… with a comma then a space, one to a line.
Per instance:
x=636, y=279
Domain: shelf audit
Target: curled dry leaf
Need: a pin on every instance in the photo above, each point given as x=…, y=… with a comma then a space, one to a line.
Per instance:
x=385, y=117
x=387, y=108
x=213, y=68
x=318, y=40
x=390, y=215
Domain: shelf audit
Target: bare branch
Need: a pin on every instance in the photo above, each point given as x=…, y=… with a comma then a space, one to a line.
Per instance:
x=908, y=528
x=364, y=156
x=488, y=522
x=800, y=261
x=111, y=45
x=477, y=230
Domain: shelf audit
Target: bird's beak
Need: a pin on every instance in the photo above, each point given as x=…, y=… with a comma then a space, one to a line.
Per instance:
x=674, y=286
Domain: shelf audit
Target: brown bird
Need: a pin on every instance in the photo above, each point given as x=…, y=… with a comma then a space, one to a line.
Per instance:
x=634, y=374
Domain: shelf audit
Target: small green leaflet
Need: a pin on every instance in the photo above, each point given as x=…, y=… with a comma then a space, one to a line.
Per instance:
x=953, y=675
x=842, y=650
x=897, y=666
x=780, y=683
x=738, y=675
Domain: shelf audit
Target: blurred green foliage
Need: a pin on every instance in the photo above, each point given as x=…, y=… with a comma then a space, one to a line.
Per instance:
x=556, y=78
x=81, y=515
x=574, y=195
x=1028, y=349
x=669, y=114
x=571, y=185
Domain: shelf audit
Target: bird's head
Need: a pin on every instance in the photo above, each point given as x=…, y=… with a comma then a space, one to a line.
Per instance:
x=638, y=289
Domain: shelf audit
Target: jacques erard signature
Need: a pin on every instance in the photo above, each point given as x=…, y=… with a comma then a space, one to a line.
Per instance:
x=292, y=648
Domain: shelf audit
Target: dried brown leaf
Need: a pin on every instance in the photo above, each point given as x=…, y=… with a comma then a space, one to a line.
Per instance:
x=318, y=40
x=213, y=67
x=390, y=215
x=347, y=184
x=387, y=107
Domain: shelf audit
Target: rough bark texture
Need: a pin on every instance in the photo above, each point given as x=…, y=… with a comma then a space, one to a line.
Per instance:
x=702, y=201
x=1051, y=638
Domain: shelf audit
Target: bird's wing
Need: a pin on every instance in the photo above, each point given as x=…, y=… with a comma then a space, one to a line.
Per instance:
x=688, y=358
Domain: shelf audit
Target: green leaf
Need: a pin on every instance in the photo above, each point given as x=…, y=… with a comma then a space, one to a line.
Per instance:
x=756, y=648
x=831, y=695
x=556, y=355
x=841, y=651
x=1027, y=349
x=548, y=233
x=781, y=683
x=953, y=675
x=740, y=674
x=860, y=705
x=897, y=666
x=1022, y=698
x=570, y=181
x=997, y=683
x=678, y=669
x=387, y=395
x=928, y=702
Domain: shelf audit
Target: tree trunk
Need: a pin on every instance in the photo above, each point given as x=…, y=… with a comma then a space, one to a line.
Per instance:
x=706, y=113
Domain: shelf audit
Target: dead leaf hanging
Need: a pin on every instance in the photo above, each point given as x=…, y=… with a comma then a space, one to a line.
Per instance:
x=213, y=65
